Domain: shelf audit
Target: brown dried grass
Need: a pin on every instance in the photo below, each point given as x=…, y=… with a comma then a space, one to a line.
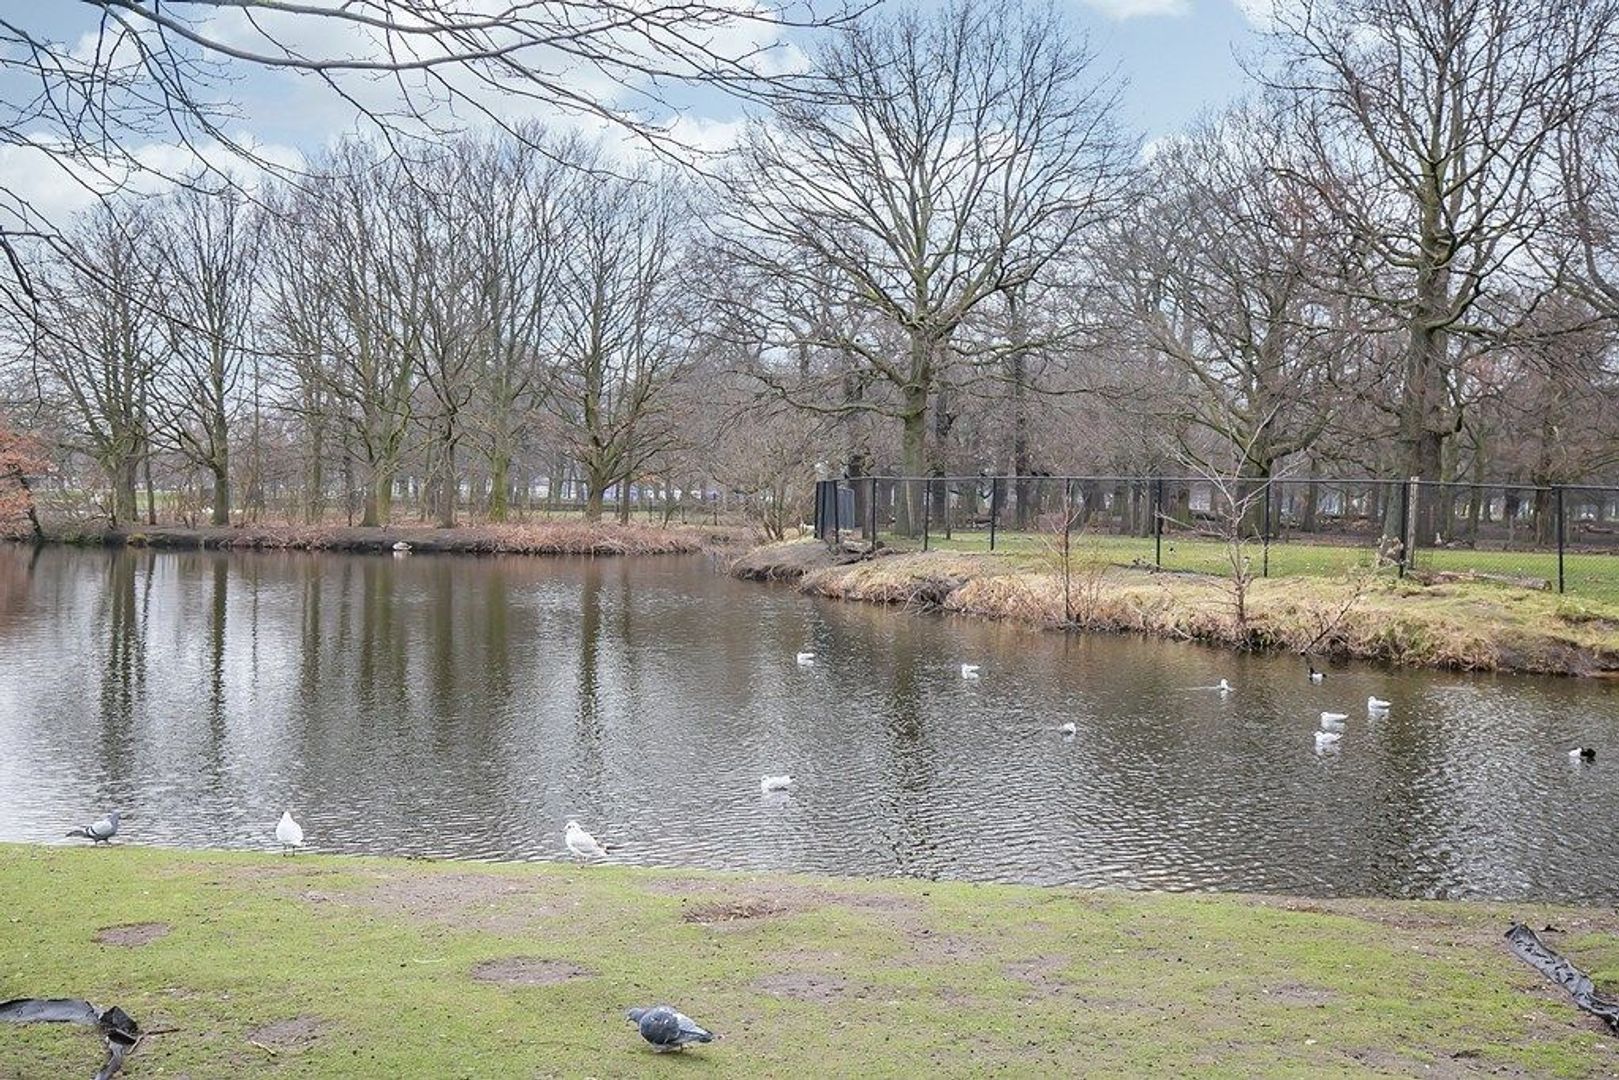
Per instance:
x=1461, y=626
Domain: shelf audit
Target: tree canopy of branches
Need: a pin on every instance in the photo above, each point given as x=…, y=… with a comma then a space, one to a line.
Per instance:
x=962, y=153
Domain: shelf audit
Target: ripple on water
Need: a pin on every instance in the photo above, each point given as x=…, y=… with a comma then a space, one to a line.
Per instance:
x=468, y=707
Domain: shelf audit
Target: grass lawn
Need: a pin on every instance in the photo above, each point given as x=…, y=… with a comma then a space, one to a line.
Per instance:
x=1585, y=573
x=341, y=967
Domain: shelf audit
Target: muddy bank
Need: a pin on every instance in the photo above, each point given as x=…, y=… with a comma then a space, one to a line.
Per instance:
x=1468, y=626
x=547, y=538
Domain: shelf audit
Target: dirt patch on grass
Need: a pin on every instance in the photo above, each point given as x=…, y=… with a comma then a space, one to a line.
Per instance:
x=784, y=897
x=527, y=971
x=731, y=911
x=132, y=934
x=932, y=947
x=491, y=902
x=298, y=1033
x=1444, y=1066
x=812, y=986
x=1300, y=995
x=1044, y=973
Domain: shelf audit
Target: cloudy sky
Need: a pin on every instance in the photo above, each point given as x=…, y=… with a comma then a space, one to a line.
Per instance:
x=1176, y=59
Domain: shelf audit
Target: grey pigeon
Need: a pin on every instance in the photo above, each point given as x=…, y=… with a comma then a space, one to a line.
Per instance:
x=667, y=1029
x=101, y=831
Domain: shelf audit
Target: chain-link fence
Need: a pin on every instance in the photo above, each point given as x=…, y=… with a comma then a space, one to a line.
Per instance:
x=1562, y=539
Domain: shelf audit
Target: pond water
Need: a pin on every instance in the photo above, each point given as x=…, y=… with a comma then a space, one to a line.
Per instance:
x=467, y=707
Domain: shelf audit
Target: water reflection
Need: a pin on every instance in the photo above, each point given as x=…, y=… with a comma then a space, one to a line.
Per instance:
x=468, y=707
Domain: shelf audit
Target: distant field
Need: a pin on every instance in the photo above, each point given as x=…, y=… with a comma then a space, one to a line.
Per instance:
x=1584, y=573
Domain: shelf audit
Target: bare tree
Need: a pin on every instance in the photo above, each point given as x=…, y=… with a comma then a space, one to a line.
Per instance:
x=1220, y=269
x=209, y=255
x=514, y=222
x=1425, y=128
x=622, y=336
x=97, y=353
x=960, y=152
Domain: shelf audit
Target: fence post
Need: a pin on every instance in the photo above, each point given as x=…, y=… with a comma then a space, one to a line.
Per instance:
x=1559, y=539
x=1410, y=511
x=837, y=514
x=1264, y=539
x=871, y=510
x=1158, y=521
x=994, y=508
x=927, y=509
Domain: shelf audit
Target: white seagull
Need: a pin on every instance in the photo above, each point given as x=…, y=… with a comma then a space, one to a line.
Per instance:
x=582, y=843
x=1225, y=687
x=1376, y=704
x=1069, y=728
x=288, y=833
x=775, y=783
x=1333, y=721
x=401, y=546
x=969, y=671
x=806, y=659
x=1324, y=739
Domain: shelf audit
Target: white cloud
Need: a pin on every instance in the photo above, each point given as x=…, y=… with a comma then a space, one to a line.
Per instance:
x=1134, y=9
x=44, y=186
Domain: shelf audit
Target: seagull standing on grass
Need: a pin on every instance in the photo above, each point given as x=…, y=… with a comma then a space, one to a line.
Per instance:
x=100, y=832
x=582, y=843
x=667, y=1029
x=288, y=833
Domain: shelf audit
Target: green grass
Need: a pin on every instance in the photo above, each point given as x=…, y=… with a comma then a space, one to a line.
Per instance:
x=1585, y=573
x=365, y=967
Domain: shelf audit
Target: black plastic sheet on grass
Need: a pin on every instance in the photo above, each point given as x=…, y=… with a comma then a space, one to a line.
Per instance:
x=117, y=1027
x=1534, y=952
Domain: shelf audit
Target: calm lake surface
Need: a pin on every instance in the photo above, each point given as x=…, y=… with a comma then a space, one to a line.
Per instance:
x=467, y=707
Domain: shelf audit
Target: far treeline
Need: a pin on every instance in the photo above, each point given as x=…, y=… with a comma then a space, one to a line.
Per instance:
x=1397, y=256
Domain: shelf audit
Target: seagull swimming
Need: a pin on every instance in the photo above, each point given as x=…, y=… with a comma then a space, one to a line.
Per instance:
x=1376, y=704
x=102, y=831
x=1579, y=753
x=667, y=1029
x=401, y=546
x=1333, y=718
x=775, y=783
x=582, y=843
x=969, y=671
x=1069, y=728
x=806, y=659
x=288, y=833
x=1225, y=687
x=1327, y=738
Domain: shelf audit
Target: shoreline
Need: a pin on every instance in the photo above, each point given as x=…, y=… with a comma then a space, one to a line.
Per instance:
x=329, y=965
x=535, y=538
x=1465, y=626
